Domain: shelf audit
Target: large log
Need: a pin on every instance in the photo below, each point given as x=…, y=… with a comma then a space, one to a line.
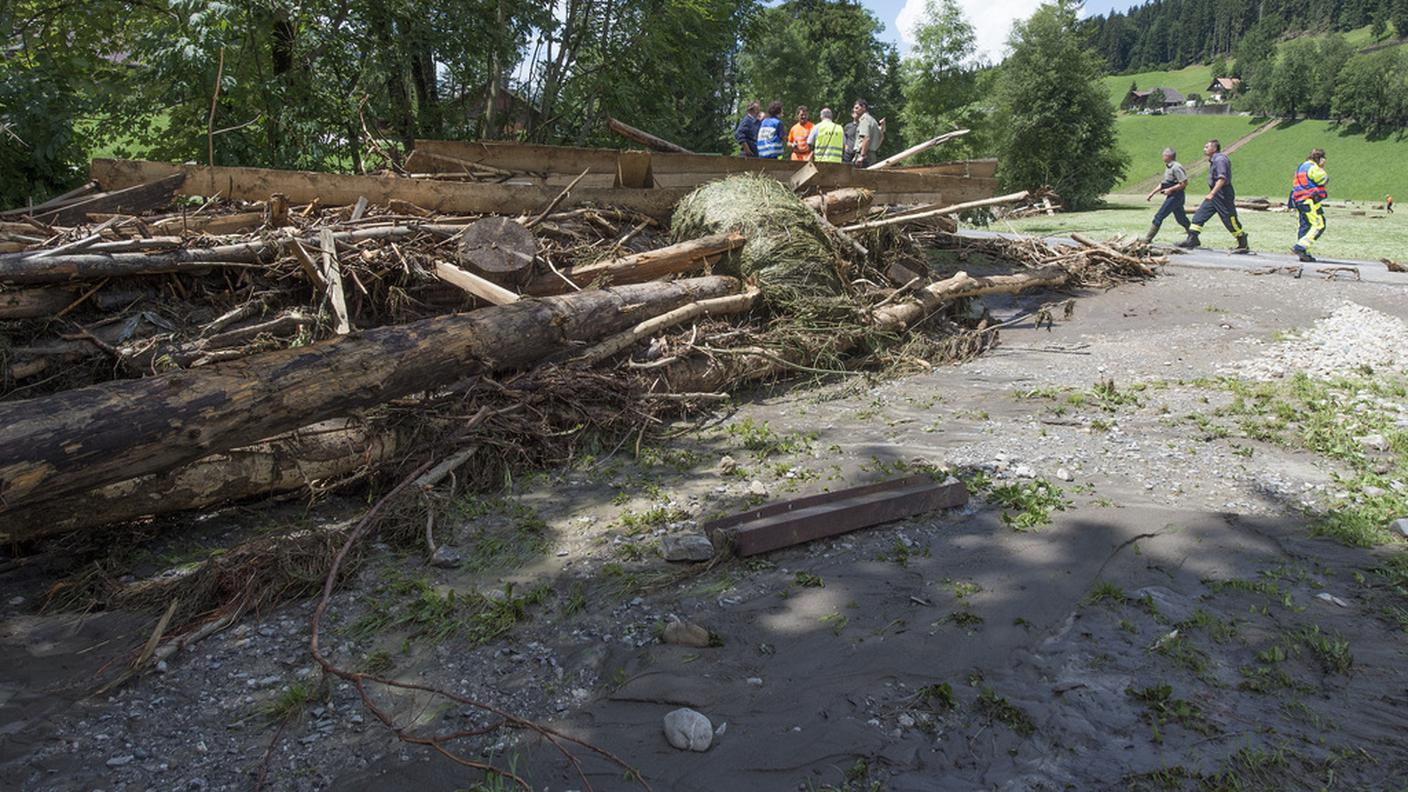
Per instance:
x=33, y=303
x=85, y=438
x=337, y=189
x=557, y=165
x=325, y=451
x=637, y=267
x=132, y=199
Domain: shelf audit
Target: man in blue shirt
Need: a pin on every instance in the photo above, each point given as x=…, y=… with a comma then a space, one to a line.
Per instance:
x=746, y=133
x=1220, y=201
x=770, y=133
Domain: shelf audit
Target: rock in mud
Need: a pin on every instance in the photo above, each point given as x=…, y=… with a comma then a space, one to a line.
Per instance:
x=688, y=730
x=685, y=633
x=687, y=547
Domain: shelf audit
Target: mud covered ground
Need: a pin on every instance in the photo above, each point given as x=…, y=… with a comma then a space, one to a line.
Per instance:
x=1177, y=572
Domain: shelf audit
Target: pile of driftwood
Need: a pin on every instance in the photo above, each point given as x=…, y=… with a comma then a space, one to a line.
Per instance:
x=162, y=358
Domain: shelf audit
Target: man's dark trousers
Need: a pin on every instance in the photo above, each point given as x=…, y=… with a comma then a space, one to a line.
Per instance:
x=1173, y=204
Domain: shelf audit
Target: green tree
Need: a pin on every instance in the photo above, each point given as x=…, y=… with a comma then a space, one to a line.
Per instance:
x=1057, y=124
x=1219, y=67
x=820, y=53
x=940, y=83
x=1372, y=92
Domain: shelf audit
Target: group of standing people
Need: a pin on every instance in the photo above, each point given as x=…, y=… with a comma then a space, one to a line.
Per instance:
x=760, y=134
x=1308, y=194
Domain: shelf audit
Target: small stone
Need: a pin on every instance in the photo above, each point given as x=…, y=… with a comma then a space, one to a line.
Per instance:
x=757, y=488
x=687, y=547
x=445, y=557
x=1064, y=474
x=755, y=681
x=1371, y=491
x=121, y=761
x=1374, y=442
x=688, y=730
x=1400, y=525
x=906, y=721
x=16, y=601
x=1024, y=471
x=685, y=633
x=1332, y=599
x=161, y=667
x=727, y=465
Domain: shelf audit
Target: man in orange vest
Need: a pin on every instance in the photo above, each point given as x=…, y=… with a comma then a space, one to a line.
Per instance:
x=799, y=137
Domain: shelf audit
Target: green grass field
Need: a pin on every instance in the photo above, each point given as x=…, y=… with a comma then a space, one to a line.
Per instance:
x=1192, y=79
x=1143, y=139
x=1370, y=236
x=1360, y=169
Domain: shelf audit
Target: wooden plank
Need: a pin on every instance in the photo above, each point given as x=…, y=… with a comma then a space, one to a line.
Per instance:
x=333, y=189
x=633, y=169
x=132, y=198
x=482, y=288
x=644, y=138
x=803, y=177
x=981, y=168
x=332, y=275
x=805, y=519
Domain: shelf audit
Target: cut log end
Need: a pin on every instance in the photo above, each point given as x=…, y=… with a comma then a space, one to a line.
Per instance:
x=500, y=250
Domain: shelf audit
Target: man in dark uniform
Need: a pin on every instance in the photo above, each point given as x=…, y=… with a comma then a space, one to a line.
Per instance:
x=1221, y=200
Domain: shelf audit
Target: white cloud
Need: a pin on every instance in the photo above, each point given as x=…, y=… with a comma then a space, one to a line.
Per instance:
x=991, y=20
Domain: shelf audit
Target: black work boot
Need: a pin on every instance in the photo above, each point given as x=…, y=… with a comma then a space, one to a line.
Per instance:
x=1242, y=246
x=1302, y=254
x=1191, y=242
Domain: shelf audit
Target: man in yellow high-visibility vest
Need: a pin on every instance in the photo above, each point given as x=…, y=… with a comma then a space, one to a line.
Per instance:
x=828, y=139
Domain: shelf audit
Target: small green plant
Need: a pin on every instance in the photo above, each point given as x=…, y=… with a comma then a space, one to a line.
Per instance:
x=1332, y=651
x=576, y=601
x=937, y=697
x=377, y=663
x=764, y=442
x=290, y=702
x=966, y=619
x=1161, y=708
x=808, y=580
x=1028, y=505
x=999, y=709
x=836, y=620
x=1105, y=591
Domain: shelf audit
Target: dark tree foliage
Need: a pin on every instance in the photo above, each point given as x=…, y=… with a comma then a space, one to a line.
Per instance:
x=1171, y=34
x=1056, y=123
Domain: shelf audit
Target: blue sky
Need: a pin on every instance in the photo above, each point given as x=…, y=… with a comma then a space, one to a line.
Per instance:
x=990, y=18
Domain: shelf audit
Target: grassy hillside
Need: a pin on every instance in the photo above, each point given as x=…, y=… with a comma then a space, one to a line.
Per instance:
x=1193, y=79
x=1143, y=138
x=1360, y=169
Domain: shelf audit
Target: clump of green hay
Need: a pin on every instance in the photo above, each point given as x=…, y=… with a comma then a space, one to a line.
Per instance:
x=788, y=255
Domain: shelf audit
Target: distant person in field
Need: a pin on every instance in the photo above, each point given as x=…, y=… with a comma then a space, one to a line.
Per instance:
x=770, y=132
x=1308, y=194
x=746, y=133
x=1173, y=188
x=800, y=135
x=1221, y=200
x=1388, y=203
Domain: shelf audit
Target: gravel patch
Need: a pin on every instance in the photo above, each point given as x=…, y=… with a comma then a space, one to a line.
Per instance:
x=1351, y=338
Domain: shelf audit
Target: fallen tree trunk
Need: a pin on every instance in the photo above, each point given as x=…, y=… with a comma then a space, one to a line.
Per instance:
x=918, y=149
x=85, y=438
x=638, y=267
x=841, y=206
x=33, y=303
x=326, y=451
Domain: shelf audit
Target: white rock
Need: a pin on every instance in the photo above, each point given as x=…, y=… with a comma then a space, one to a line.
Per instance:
x=1375, y=442
x=727, y=464
x=1024, y=471
x=445, y=558
x=906, y=721
x=757, y=488
x=1064, y=474
x=755, y=681
x=687, y=547
x=688, y=730
x=1400, y=525
x=684, y=633
x=1331, y=598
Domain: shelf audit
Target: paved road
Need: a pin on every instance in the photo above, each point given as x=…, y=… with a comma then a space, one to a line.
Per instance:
x=1222, y=259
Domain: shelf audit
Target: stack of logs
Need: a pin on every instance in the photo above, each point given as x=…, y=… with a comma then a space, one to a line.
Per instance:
x=163, y=361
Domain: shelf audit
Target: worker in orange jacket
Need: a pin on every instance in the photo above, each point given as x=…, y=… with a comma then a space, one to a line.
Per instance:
x=799, y=137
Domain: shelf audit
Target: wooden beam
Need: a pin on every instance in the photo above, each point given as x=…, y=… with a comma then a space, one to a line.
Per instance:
x=644, y=138
x=332, y=276
x=334, y=189
x=918, y=149
x=483, y=288
x=131, y=198
x=639, y=267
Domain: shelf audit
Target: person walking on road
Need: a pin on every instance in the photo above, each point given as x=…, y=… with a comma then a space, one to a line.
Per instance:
x=1174, y=188
x=1221, y=200
x=746, y=133
x=828, y=139
x=770, y=132
x=799, y=137
x=1388, y=203
x=869, y=135
x=1308, y=196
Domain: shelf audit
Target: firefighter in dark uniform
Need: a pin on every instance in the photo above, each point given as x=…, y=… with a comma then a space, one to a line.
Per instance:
x=1221, y=200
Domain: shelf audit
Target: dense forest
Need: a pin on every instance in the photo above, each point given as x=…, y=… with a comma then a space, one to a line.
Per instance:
x=1165, y=34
